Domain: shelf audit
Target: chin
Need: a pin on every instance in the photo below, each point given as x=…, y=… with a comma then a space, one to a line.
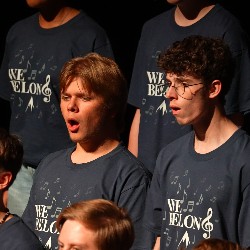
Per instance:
x=181, y=122
x=74, y=138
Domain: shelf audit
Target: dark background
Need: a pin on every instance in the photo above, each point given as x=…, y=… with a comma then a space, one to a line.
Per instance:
x=122, y=20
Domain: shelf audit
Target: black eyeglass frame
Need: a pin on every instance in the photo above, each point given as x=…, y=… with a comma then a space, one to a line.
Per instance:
x=184, y=85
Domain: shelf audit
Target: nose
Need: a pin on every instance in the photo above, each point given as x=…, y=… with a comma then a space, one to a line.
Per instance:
x=72, y=106
x=171, y=93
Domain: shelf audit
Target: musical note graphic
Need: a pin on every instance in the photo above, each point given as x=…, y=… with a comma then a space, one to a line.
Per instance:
x=44, y=186
x=190, y=207
x=156, y=55
x=28, y=66
x=200, y=200
x=22, y=59
x=165, y=215
x=53, y=67
x=207, y=225
x=77, y=194
x=38, y=62
x=184, y=197
x=30, y=46
x=32, y=55
x=32, y=75
x=209, y=188
x=168, y=237
x=53, y=201
x=51, y=58
x=175, y=180
x=57, y=212
x=89, y=190
x=57, y=180
x=150, y=110
x=65, y=198
x=221, y=186
x=213, y=199
x=179, y=188
x=53, y=108
x=48, y=194
x=42, y=69
x=20, y=102
x=19, y=53
x=40, y=115
x=195, y=192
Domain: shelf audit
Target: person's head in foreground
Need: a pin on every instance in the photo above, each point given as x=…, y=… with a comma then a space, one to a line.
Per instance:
x=198, y=72
x=95, y=225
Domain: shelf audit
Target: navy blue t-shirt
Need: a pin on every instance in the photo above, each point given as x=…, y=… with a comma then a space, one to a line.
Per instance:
x=196, y=196
x=117, y=176
x=15, y=235
x=29, y=78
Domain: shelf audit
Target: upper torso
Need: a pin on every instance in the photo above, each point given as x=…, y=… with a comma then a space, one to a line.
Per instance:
x=197, y=196
x=158, y=126
x=116, y=176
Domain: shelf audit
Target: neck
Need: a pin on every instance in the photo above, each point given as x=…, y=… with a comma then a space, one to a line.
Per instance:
x=187, y=13
x=56, y=17
x=213, y=132
x=4, y=216
x=85, y=152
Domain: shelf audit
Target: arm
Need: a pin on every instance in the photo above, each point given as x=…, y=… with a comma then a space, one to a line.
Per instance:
x=134, y=133
x=157, y=244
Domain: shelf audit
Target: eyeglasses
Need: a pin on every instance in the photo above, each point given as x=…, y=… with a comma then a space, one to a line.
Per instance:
x=182, y=88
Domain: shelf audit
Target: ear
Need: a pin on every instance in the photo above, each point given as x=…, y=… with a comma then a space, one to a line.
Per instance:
x=215, y=89
x=5, y=179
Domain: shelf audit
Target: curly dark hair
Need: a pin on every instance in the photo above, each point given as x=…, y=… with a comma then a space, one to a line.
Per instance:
x=204, y=58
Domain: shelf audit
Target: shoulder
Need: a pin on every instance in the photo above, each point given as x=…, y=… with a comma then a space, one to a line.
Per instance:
x=159, y=20
x=53, y=160
x=22, y=28
x=24, y=23
x=224, y=18
x=24, y=237
x=84, y=21
x=127, y=163
x=241, y=138
x=179, y=142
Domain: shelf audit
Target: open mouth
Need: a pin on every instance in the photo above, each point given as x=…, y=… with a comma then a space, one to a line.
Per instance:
x=174, y=110
x=73, y=125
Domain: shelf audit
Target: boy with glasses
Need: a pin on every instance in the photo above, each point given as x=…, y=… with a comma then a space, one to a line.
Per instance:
x=201, y=184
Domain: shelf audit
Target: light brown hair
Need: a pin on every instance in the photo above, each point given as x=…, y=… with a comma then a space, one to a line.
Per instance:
x=111, y=224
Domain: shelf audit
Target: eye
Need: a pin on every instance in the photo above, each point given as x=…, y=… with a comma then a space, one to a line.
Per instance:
x=168, y=83
x=65, y=97
x=60, y=246
x=185, y=85
x=85, y=98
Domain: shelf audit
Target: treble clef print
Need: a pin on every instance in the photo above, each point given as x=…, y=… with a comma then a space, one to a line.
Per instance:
x=207, y=225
